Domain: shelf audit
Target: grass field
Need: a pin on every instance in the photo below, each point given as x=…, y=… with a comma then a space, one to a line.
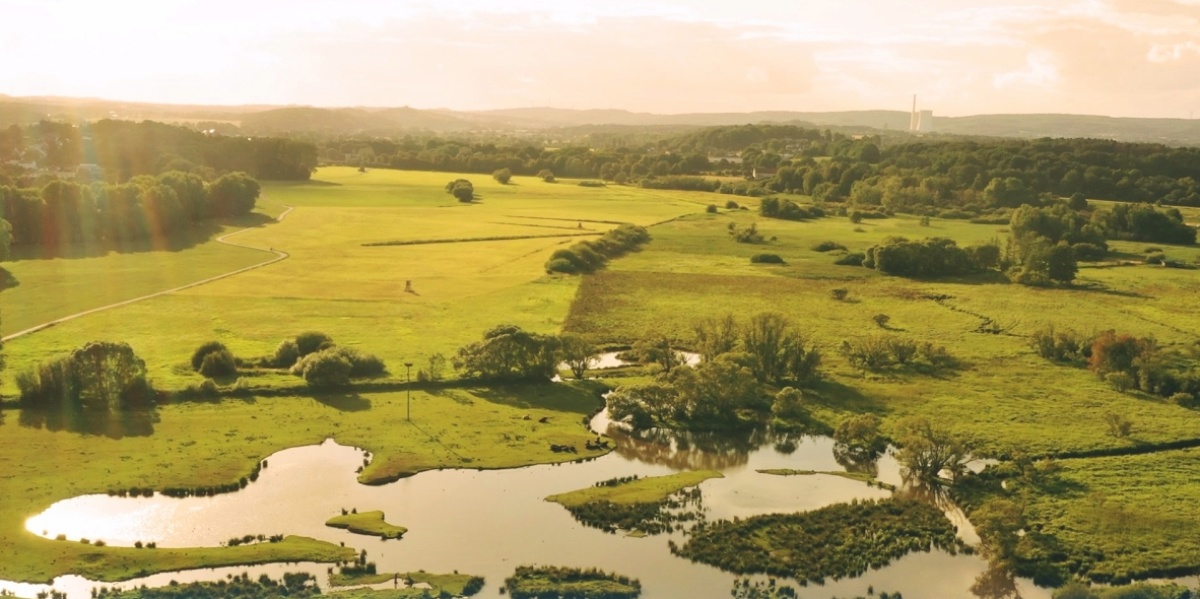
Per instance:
x=1003, y=396
x=334, y=284
x=367, y=523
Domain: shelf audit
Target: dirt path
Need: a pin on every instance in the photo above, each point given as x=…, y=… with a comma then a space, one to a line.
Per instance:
x=278, y=256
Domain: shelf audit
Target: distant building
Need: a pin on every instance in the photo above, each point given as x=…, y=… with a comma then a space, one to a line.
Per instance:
x=920, y=121
x=925, y=121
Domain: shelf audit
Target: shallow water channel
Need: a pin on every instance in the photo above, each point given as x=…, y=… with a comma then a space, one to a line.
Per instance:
x=488, y=522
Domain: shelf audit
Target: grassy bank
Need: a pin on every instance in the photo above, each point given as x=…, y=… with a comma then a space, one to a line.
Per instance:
x=367, y=523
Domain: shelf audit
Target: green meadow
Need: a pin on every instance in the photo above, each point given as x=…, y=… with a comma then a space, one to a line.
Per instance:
x=464, y=280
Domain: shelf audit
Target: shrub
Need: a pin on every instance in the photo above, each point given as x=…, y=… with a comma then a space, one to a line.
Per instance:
x=1088, y=252
x=312, y=341
x=711, y=209
x=592, y=184
x=503, y=176
x=839, y=294
x=324, y=369
x=1121, y=381
x=789, y=403
x=856, y=217
x=218, y=363
x=204, y=350
x=766, y=259
x=731, y=205
x=1119, y=425
x=1185, y=400
x=461, y=189
x=546, y=175
x=748, y=235
x=286, y=354
x=881, y=320
x=828, y=246
x=362, y=364
x=855, y=259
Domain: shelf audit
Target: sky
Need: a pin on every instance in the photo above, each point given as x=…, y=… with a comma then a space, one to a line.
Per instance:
x=1136, y=58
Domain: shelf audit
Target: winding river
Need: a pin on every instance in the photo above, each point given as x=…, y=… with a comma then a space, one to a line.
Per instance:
x=488, y=522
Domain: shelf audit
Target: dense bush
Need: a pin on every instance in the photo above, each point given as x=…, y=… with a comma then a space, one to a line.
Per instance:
x=852, y=538
x=509, y=353
x=549, y=582
x=204, y=350
x=788, y=210
x=766, y=259
x=930, y=257
x=218, y=363
x=286, y=354
x=681, y=183
x=504, y=175
x=324, y=369
x=311, y=341
x=853, y=259
x=828, y=246
x=462, y=189
x=591, y=255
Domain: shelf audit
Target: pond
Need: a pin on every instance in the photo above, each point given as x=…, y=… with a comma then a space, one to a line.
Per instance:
x=488, y=522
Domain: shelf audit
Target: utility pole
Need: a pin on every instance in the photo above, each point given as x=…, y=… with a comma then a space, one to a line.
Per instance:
x=408, y=389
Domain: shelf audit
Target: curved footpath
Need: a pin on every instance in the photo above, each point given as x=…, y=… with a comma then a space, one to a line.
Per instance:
x=279, y=255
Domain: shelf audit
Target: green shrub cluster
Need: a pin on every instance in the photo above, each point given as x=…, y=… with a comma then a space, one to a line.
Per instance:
x=839, y=541
x=550, y=582
x=788, y=210
x=298, y=585
x=766, y=259
x=681, y=183
x=591, y=255
x=930, y=257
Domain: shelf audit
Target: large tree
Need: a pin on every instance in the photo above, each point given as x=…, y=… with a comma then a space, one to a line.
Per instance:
x=509, y=353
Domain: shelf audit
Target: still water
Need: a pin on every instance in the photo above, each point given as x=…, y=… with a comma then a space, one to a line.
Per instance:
x=488, y=522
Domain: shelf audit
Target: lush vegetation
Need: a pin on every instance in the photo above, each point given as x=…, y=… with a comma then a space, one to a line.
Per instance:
x=125, y=149
x=642, y=506
x=590, y=255
x=297, y=585
x=366, y=523
x=838, y=541
x=550, y=582
x=166, y=210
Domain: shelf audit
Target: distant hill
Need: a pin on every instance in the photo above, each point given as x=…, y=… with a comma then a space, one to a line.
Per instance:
x=277, y=120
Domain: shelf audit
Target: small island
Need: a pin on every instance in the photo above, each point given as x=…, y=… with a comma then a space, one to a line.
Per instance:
x=367, y=523
x=549, y=582
x=640, y=506
x=858, y=476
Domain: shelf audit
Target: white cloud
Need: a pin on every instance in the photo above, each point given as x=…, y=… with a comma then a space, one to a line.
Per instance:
x=1039, y=71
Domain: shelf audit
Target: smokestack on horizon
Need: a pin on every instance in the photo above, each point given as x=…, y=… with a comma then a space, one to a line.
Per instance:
x=914, y=121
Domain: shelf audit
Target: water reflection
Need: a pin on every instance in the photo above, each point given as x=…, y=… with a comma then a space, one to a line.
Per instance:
x=487, y=522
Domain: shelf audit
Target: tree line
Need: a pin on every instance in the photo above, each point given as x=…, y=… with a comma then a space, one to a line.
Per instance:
x=62, y=213
x=125, y=149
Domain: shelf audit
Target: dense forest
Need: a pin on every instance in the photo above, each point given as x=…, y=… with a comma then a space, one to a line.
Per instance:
x=935, y=173
x=165, y=209
x=124, y=149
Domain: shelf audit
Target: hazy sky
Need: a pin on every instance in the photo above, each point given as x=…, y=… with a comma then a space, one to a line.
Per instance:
x=1113, y=57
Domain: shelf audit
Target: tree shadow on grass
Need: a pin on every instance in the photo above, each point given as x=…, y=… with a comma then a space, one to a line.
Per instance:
x=833, y=394
x=345, y=401
x=184, y=240
x=1105, y=290
x=7, y=280
x=114, y=425
x=580, y=398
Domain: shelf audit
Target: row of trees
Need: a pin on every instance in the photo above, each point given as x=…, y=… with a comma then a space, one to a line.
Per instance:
x=125, y=149
x=592, y=254
x=1126, y=361
x=63, y=213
